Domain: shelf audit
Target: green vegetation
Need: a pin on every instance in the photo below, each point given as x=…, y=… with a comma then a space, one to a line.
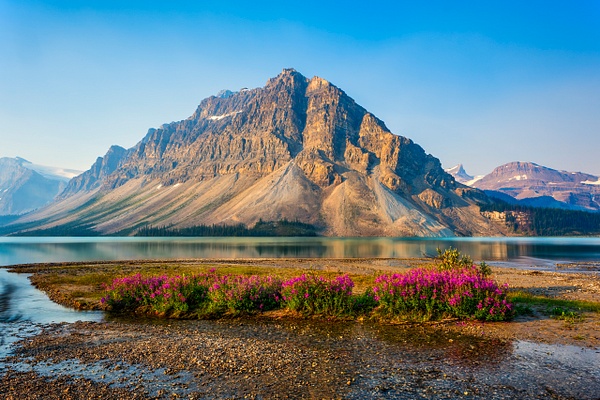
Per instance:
x=425, y=294
x=569, y=311
x=260, y=229
x=71, y=229
x=525, y=298
x=568, y=316
x=311, y=294
x=537, y=221
x=76, y=228
x=451, y=289
x=451, y=259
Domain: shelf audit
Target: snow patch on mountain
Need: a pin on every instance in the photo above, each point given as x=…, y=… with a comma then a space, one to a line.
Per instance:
x=459, y=173
x=518, y=177
x=591, y=182
x=219, y=117
x=474, y=180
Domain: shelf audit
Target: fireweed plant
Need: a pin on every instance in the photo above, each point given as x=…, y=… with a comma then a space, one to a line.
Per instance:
x=242, y=294
x=425, y=294
x=205, y=294
x=421, y=294
x=311, y=294
x=159, y=293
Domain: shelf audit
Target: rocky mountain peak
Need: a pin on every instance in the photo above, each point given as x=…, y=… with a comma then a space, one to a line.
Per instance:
x=224, y=94
x=317, y=84
x=289, y=77
x=516, y=166
x=297, y=148
x=459, y=173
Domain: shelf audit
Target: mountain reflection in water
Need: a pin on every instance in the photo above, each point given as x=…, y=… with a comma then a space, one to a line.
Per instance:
x=22, y=250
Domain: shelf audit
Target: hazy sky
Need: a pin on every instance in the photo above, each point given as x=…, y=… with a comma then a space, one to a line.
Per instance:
x=482, y=83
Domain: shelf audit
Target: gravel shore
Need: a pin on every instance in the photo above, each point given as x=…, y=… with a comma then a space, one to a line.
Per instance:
x=272, y=359
x=274, y=356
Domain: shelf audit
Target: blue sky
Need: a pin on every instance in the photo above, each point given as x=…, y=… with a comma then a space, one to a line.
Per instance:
x=482, y=83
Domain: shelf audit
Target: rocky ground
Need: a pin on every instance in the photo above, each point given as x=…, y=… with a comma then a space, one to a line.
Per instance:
x=275, y=356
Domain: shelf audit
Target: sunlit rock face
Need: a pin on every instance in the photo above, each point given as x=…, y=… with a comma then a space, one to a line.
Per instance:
x=296, y=149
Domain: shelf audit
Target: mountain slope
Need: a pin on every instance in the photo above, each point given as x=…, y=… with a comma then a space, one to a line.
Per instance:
x=537, y=185
x=25, y=186
x=95, y=176
x=298, y=149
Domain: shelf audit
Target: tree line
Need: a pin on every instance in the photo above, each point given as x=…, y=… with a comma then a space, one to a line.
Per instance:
x=537, y=221
x=261, y=228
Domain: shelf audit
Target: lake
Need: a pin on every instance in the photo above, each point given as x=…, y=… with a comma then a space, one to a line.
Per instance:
x=525, y=251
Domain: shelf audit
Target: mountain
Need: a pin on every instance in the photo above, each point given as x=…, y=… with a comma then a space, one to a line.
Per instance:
x=25, y=186
x=538, y=186
x=95, y=176
x=459, y=173
x=297, y=149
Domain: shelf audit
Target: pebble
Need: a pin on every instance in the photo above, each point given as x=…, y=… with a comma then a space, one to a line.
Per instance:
x=252, y=359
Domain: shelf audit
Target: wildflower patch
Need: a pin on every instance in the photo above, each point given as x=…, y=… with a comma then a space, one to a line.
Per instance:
x=422, y=294
x=310, y=294
x=425, y=294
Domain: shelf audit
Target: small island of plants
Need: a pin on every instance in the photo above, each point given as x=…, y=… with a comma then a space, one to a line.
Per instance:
x=454, y=287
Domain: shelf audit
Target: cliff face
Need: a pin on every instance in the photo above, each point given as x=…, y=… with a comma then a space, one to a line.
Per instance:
x=97, y=174
x=297, y=148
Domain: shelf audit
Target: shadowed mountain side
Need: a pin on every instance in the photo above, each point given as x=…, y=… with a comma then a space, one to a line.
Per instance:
x=95, y=176
x=297, y=149
x=24, y=187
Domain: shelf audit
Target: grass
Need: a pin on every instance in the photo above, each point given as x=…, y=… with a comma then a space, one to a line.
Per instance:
x=568, y=316
x=569, y=311
x=84, y=282
x=523, y=298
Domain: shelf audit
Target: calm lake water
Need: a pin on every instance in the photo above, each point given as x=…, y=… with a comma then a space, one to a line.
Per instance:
x=526, y=251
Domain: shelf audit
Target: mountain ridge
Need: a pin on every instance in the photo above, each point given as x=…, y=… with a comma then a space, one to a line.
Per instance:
x=296, y=149
x=535, y=185
x=25, y=186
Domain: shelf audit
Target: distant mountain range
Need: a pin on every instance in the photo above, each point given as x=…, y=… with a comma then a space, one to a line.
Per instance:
x=297, y=156
x=530, y=184
x=25, y=186
x=297, y=149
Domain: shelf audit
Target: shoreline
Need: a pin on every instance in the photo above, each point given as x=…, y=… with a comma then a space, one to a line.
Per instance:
x=537, y=327
x=279, y=355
